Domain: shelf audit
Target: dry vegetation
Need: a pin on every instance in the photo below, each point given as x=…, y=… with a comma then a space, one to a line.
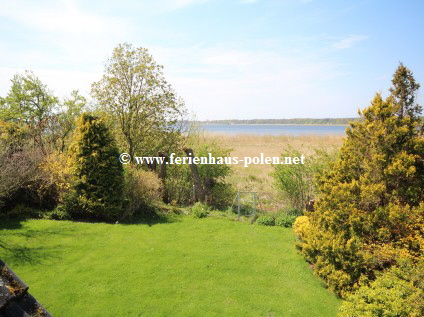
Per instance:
x=257, y=177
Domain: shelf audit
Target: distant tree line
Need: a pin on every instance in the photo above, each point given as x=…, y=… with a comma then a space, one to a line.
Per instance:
x=329, y=121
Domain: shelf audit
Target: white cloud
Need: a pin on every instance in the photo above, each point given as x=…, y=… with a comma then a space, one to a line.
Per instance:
x=218, y=82
x=349, y=41
x=226, y=80
x=70, y=42
x=59, y=17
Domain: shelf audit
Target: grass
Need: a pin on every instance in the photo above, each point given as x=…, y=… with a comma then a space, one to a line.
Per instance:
x=257, y=177
x=187, y=267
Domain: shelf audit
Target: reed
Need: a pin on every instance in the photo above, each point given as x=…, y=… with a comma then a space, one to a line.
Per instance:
x=258, y=178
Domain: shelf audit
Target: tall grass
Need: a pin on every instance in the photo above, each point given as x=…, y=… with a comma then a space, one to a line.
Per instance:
x=257, y=177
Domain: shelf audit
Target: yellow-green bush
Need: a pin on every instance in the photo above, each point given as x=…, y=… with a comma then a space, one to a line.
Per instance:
x=368, y=216
x=142, y=189
x=302, y=226
x=396, y=293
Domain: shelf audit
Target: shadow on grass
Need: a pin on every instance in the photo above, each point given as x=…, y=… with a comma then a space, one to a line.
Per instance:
x=11, y=224
x=28, y=255
x=22, y=252
x=152, y=219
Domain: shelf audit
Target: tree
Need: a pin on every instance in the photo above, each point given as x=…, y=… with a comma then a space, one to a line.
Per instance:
x=97, y=175
x=29, y=102
x=72, y=108
x=134, y=91
x=369, y=214
x=19, y=162
x=403, y=92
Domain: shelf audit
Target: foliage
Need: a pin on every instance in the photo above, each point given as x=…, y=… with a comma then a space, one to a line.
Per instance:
x=21, y=175
x=97, y=175
x=222, y=195
x=266, y=220
x=285, y=220
x=30, y=103
x=71, y=108
x=199, y=210
x=368, y=216
x=55, y=171
x=301, y=227
x=395, y=293
x=32, y=127
x=142, y=189
x=213, y=175
x=21, y=211
x=146, y=109
x=179, y=182
x=297, y=181
x=58, y=213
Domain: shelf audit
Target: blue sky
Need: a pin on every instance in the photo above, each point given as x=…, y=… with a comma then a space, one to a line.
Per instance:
x=233, y=59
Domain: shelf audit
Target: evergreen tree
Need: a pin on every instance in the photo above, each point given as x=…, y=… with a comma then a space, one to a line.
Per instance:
x=403, y=92
x=97, y=175
x=370, y=212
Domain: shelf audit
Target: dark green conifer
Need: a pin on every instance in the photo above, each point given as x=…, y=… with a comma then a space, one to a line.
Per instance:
x=97, y=175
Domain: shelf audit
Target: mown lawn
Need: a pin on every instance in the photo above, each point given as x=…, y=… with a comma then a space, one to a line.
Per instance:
x=188, y=267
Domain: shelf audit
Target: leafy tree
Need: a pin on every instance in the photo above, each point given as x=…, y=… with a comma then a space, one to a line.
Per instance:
x=97, y=175
x=72, y=108
x=368, y=215
x=29, y=102
x=134, y=91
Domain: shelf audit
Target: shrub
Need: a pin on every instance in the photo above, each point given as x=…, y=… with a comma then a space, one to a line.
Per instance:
x=302, y=226
x=295, y=212
x=199, y=210
x=297, y=182
x=52, y=181
x=22, y=211
x=142, y=190
x=222, y=195
x=178, y=183
x=57, y=214
x=97, y=175
x=370, y=210
x=265, y=220
x=397, y=292
x=19, y=165
x=285, y=220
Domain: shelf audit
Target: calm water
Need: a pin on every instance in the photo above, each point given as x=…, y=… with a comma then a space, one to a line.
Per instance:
x=274, y=129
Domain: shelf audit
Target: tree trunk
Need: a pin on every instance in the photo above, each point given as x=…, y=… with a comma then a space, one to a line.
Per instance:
x=200, y=192
x=162, y=176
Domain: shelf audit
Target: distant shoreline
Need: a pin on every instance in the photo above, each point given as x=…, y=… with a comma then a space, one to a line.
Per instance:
x=293, y=121
x=290, y=124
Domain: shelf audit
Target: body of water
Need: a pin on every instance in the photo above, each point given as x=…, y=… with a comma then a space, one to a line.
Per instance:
x=274, y=129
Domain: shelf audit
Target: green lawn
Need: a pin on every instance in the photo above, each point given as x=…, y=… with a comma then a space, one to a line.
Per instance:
x=189, y=267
